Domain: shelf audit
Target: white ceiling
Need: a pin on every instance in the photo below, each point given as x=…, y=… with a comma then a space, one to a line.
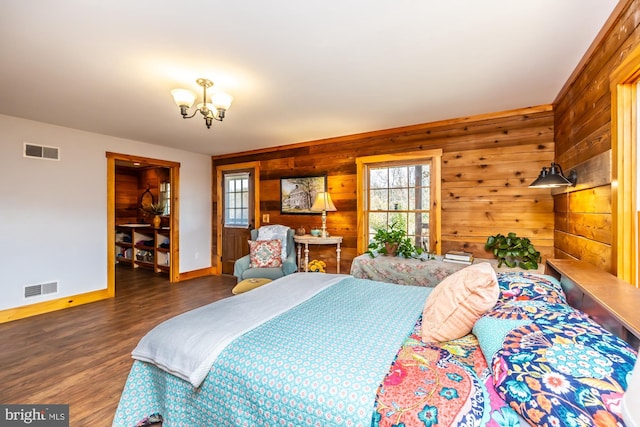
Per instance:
x=298, y=70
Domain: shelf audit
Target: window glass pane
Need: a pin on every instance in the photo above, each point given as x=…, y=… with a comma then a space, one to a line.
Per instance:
x=426, y=175
x=426, y=198
x=398, y=200
x=426, y=237
x=399, y=218
x=398, y=177
x=412, y=174
x=377, y=220
x=378, y=178
x=379, y=200
x=411, y=227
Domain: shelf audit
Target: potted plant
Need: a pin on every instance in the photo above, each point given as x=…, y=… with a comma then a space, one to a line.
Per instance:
x=513, y=251
x=155, y=209
x=393, y=241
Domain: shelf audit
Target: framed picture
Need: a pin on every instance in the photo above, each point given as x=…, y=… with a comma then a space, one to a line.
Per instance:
x=298, y=193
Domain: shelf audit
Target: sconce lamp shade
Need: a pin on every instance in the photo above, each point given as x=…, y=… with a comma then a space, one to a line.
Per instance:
x=183, y=97
x=553, y=177
x=323, y=202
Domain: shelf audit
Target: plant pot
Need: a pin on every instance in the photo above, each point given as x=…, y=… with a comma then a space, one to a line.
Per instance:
x=157, y=221
x=391, y=249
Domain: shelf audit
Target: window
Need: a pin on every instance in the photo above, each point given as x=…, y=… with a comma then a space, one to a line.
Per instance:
x=236, y=203
x=165, y=197
x=402, y=189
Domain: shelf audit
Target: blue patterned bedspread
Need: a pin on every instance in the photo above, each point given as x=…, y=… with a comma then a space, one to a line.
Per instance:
x=318, y=364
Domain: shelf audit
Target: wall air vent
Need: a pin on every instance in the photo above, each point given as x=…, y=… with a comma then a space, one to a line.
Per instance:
x=41, y=151
x=41, y=289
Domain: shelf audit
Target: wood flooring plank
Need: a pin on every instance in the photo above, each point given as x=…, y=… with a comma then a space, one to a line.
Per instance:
x=81, y=356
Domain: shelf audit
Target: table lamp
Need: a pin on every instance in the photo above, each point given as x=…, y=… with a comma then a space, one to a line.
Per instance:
x=323, y=203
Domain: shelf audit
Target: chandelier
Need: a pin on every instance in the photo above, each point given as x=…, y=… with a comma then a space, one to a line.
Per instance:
x=214, y=110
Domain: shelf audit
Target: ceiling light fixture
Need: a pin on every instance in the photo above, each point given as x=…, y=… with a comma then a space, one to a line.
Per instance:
x=553, y=177
x=214, y=110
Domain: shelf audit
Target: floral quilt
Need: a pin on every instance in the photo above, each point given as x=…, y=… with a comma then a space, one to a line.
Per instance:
x=443, y=384
x=552, y=363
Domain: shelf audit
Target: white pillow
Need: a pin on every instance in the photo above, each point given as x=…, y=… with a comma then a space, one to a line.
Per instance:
x=273, y=232
x=631, y=397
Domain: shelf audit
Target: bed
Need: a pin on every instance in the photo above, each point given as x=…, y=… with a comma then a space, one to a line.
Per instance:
x=332, y=349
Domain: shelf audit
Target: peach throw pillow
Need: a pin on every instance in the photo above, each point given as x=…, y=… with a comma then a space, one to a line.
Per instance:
x=458, y=301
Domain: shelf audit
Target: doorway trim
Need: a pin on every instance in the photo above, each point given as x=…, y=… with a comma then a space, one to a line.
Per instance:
x=220, y=170
x=174, y=232
x=623, y=84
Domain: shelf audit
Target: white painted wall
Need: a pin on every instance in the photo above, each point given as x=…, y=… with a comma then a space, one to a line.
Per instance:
x=53, y=214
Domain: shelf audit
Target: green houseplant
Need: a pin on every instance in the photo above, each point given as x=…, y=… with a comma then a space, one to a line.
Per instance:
x=392, y=241
x=153, y=208
x=513, y=251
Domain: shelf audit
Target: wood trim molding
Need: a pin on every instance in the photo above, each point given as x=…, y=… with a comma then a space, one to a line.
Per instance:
x=52, y=305
x=623, y=82
x=362, y=163
x=174, y=273
x=220, y=169
x=203, y=272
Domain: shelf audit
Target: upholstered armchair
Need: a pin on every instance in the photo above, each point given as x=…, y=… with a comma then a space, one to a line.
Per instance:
x=243, y=270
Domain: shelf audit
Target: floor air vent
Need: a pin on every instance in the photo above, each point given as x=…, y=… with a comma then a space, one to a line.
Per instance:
x=41, y=289
x=41, y=151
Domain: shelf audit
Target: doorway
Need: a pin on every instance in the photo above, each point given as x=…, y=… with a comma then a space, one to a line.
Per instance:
x=171, y=221
x=238, y=207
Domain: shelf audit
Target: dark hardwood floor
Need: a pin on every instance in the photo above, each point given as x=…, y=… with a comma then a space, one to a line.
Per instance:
x=81, y=356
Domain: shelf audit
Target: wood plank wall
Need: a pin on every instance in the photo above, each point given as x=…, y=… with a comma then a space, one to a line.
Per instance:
x=488, y=162
x=583, y=216
x=130, y=184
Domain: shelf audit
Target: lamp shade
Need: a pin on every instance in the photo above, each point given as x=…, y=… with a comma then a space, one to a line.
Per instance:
x=183, y=97
x=323, y=202
x=553, y=177
x=539, y=179
x=221, y=100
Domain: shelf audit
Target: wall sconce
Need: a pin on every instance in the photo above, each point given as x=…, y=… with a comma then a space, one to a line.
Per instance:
x=553, y=177
x=323, y=203
x=214, y=110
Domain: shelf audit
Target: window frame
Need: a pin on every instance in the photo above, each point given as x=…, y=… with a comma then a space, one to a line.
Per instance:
x=364, y=164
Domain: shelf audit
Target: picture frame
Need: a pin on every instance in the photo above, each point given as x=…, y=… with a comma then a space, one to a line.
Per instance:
x=297, y=194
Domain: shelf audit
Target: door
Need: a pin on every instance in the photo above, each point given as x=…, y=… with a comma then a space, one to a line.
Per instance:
x=237, y=213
